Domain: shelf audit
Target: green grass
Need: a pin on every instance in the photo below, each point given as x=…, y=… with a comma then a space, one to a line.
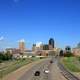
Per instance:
x=71, y=63
x=14, y=65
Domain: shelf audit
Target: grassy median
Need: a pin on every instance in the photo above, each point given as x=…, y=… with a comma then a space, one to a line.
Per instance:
x=11, y=66
x=71, y=63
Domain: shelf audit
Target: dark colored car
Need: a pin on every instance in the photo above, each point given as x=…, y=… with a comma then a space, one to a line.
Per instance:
x=51, y=61
x=37, y=73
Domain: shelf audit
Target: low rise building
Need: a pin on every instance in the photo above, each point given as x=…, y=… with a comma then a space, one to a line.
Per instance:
x=15, y=52
x=42, y=53
x=76, y=51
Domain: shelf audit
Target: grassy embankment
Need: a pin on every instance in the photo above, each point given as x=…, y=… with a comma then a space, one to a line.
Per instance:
x=10, y=66
x=71, y=63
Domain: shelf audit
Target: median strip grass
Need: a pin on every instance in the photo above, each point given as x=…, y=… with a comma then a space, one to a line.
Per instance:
x=14, y=65
x=71, y=63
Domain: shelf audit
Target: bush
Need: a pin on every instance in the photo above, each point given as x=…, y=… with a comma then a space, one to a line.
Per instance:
x=6, y=56
x=61, y=53
x=79, y=58
x=68, y=54
x=0, y=61
x=1, y=56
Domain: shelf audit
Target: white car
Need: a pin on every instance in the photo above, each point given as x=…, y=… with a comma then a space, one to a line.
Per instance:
x=46, y=71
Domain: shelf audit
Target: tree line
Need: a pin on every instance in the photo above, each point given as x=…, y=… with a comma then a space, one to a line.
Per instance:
x=5, y=56
x=67, y=52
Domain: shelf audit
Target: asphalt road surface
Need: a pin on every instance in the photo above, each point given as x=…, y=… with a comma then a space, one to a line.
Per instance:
x=54, y=73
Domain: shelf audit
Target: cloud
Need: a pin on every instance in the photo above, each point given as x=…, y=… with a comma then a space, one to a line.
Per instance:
x=38, y=44
x=1, y=38
x=22, y=40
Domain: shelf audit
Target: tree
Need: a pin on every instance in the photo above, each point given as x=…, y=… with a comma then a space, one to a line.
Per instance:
x=68, y=49
x=68, y=52
x=7, y=56
x=1, y=57
x=61, y=53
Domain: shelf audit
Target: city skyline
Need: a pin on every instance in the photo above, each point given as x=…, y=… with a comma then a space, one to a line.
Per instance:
x=39, y=20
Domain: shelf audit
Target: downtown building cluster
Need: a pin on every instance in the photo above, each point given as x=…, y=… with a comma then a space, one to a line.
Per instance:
x=38, y=49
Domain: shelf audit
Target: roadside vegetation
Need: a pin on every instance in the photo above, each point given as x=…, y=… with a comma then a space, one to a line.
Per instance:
x=71, y=63
x=8, y=65
x=5, y=56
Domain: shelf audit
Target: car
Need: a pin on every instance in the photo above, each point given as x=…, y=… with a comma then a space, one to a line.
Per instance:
x=37, y=73
x=51, y=61
x=46, y=71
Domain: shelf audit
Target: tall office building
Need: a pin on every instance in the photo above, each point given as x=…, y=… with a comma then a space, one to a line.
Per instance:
x=45, y=47
x=22, y=45
x=33, y=47
x=41, y=47
x=51, y=43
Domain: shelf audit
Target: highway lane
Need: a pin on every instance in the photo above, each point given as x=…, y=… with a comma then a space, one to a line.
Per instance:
x=29, y=75
x=54, y=73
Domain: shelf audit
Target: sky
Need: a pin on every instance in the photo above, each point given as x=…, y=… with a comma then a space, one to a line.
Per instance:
x=38, y=20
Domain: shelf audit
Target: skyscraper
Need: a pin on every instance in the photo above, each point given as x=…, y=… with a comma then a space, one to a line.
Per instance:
x=34, y=47
x=22, y=45
x=45, y=47
x=51, y=42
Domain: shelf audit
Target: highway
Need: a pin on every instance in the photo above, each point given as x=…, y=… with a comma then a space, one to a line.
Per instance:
x=54, y=72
